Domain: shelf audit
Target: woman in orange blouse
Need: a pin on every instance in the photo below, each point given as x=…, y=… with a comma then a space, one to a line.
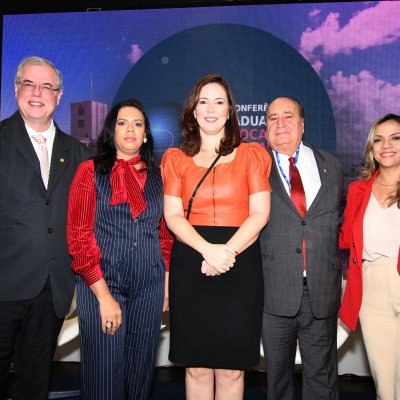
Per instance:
x=120, y=248
x=216, y=284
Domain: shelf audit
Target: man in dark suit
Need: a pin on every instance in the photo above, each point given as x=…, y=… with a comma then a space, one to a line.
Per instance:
x=302, y=277
x=37, y=164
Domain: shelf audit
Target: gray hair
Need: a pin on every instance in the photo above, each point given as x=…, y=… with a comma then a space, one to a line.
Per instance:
x=38, y=61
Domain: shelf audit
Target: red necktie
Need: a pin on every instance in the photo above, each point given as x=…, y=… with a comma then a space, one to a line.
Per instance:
x=297, y=190
x=298, y=197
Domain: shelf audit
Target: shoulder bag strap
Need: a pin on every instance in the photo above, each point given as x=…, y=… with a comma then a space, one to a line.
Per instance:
x=199, y=184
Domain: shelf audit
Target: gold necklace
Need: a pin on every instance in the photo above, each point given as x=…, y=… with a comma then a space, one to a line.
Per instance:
x=385, y=184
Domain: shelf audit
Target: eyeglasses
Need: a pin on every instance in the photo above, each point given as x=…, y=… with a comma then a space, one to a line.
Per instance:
x=46, y=88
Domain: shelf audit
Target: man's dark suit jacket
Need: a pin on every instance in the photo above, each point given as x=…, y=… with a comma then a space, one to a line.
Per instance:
x=33, y=244
x=281, y=245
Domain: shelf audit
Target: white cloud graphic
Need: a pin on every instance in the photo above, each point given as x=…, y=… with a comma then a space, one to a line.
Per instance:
x=367, y=28
x=356, y=110
x=314, y=13
x=135, y=54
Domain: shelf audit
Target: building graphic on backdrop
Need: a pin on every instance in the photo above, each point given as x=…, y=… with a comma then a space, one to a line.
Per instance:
x=87, y=120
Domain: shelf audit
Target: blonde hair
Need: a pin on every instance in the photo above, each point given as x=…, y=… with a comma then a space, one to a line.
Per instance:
x=370, y=164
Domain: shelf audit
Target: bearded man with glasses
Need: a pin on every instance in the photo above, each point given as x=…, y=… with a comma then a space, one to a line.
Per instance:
x=37, y=164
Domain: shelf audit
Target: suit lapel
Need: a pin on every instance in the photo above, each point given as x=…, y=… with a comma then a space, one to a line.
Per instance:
x=324, y=175
x=362, y=199
x=60, y=160
x=18, y=136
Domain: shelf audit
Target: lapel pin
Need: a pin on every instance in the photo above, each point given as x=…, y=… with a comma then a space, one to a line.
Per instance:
x=324, y=170
x=61, y=160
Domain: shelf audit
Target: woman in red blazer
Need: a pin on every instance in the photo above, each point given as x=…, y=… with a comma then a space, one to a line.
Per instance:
x=371, y=231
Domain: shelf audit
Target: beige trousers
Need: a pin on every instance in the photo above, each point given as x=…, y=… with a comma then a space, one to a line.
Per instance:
x=380, y=324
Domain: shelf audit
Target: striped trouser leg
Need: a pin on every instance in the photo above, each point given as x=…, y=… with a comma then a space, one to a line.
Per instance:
x=144, y=313
x=102, y=355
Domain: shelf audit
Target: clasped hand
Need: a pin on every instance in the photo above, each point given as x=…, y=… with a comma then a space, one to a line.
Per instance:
x=208, y=270
x=218, y=259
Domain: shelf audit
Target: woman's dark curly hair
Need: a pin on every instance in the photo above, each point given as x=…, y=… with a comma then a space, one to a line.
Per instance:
x=191, y=139
x=106, y=151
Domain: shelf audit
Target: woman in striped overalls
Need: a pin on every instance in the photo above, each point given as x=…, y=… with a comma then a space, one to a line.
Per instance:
x=120, y=248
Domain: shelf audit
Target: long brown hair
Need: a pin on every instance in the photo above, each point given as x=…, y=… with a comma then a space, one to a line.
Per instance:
x=191, y=139
x=370, y=164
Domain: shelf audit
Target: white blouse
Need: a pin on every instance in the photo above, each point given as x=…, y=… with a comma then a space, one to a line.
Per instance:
x=381, y=230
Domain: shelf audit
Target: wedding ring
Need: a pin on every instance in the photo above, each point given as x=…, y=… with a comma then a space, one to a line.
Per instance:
x=109, y=324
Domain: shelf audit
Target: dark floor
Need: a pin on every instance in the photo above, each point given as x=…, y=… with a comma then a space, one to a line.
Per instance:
x=169, y=384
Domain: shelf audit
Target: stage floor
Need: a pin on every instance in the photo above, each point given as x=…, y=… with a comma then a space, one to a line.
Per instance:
x=169, y=384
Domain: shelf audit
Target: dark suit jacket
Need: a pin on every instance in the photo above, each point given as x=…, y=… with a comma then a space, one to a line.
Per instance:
x=33, y=242
x=281, y=245
x=351, y=237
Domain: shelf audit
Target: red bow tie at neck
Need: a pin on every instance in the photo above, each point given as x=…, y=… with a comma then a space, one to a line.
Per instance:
x=125, y=187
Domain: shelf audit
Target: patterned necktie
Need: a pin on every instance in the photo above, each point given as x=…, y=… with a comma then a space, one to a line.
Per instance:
x=298, y=197
x=43, y=156
x=297, y=190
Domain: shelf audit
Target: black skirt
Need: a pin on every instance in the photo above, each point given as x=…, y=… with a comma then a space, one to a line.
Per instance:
x=215, y=321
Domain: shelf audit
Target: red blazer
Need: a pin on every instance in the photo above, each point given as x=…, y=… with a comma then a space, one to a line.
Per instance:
x=351, y=237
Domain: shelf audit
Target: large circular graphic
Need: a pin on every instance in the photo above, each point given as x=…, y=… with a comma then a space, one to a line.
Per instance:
x=258, y=66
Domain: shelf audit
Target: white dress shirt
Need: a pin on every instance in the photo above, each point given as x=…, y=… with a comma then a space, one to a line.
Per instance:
x=308, y=169
x=381, y=228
